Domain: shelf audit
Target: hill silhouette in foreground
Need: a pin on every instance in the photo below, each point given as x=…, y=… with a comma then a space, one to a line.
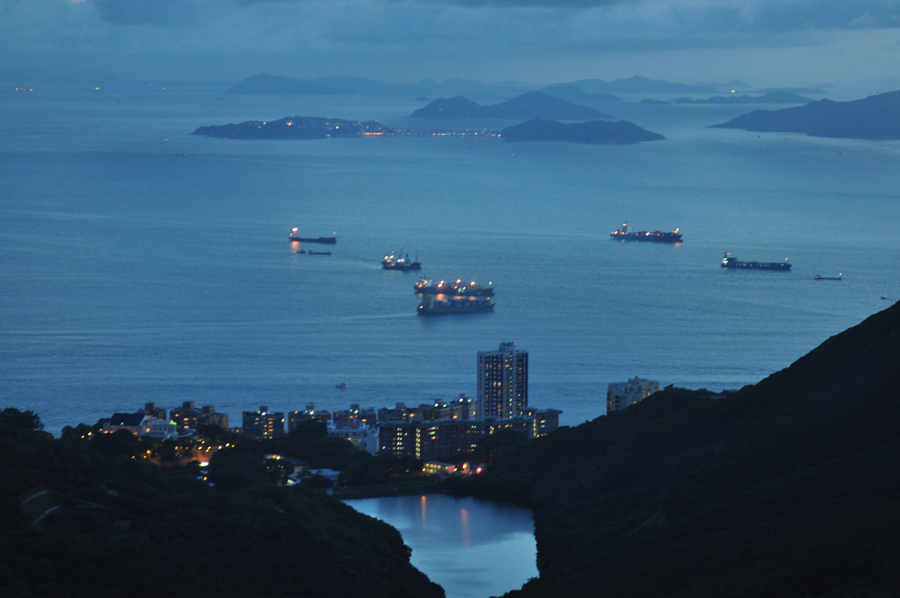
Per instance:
x=533, y=104
x=593, y=131
x=790, y=487
x=80, y=516
x=874, y=117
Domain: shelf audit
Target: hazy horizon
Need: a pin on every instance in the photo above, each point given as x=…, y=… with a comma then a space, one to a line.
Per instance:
x=762, y=42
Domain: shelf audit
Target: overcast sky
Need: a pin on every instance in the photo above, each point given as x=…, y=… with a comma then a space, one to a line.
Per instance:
x=764, y=42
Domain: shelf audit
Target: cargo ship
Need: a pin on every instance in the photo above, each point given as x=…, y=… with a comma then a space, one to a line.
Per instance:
x=295, y=236
x=625, y=234
x=732, y=263
x=838, y=277
x=459, y=287
x=439, y=305
x=400, y=263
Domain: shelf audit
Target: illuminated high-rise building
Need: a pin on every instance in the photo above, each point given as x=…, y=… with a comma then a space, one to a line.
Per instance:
x=502, y=382
x=263, y=424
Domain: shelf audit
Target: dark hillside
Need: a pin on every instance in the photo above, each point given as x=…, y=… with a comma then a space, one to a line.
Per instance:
x=790, y=487
x=76, y=521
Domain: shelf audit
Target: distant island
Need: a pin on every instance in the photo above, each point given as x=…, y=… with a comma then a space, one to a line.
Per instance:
x=638, y=84
x=571, y=93
x=316, y=127
x=266, y=84
x=295, y=127
x=595, y=131
x=533, y=104
x=874, y=117
x=773, y=97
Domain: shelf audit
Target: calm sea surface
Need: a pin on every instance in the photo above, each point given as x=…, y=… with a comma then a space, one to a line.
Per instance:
x=139, y=263
x=472, y=548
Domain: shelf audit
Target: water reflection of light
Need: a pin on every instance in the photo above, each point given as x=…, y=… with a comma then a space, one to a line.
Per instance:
x=464, y=528
x=423, y=505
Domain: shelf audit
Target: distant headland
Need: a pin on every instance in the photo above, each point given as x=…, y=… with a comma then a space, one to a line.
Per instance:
x=295, y=127
x=266, y=84
x=595, y=131
x=533, y=104
x=874, y=117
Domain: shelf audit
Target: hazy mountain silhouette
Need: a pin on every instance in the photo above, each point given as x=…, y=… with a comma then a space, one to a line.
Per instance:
x=874, y=117
x=533, y=104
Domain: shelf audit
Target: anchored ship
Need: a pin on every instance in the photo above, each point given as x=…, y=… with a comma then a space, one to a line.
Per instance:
x=295, y=236
x=838, y=277
x=438, y=305
x=732, y=263
x=400, y=263
x=625, y=234
x=459, y=287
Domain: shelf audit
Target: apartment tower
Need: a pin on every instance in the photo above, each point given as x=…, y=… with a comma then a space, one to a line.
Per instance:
x=502, y=382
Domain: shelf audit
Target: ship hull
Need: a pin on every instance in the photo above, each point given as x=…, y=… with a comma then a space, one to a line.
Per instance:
x=441, y=305
x=652, y=236
x=731, y=263
x=405, y=266
x=328, y=240
x=454, y=290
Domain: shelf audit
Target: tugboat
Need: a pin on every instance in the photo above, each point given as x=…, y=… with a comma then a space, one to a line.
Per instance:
x=732, y=263
x=400, y=263
x=438, y=305
x=625, y=234
x=457, y=288
x=295, y=236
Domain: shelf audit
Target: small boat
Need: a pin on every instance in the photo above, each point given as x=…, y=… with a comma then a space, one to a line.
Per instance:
x=838, y=277
x=341, y=386
x=295, y=237
x=389, y=262
x=470, y=289
x=625, y=234
x=732, y=263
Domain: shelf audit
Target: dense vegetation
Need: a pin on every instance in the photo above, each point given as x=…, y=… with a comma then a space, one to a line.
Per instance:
x=790, y=487
x=874, y=117
x=293, y=127
x=85, y=517
x=593, y=131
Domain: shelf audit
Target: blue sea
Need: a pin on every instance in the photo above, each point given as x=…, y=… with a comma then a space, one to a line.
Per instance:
x=140, y=263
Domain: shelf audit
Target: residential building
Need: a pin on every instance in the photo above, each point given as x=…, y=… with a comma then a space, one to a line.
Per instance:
x=620, y=395
x=263, y=424
x=295, y=418
x=502, y=382
x=188, y=417
x=362, y=435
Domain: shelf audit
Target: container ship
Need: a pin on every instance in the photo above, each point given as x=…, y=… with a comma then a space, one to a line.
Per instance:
x=400, y=263
x=459, y=287
x=439, y=305
x=732, y=263
x=625, y=234
x=295, y=236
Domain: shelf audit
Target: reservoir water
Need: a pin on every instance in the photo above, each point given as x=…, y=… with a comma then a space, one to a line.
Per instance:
x=141, y=263
x=472, y=548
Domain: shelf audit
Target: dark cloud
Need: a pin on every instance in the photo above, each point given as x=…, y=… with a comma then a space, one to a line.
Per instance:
x=166, y=13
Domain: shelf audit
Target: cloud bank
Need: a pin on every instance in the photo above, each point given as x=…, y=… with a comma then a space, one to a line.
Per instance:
x=363, y=34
